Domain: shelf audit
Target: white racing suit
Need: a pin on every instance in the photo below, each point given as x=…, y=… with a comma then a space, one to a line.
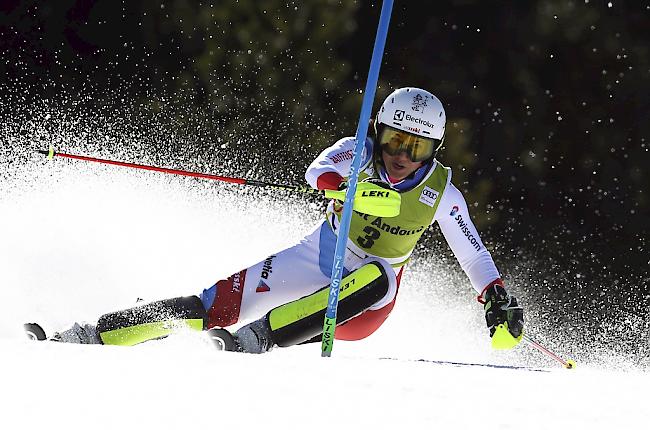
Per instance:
x=306, y=267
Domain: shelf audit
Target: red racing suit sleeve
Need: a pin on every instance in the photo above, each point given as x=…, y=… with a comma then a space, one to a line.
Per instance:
x=329, y=181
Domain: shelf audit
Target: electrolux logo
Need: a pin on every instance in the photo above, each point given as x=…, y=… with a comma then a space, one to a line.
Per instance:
x=418, y=120
x=399, y=115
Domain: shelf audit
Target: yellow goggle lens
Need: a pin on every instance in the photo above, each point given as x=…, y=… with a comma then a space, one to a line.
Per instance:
x=417, y=148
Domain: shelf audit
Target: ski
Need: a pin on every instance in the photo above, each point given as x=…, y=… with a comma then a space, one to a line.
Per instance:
x=223, y=340
x=466, y=364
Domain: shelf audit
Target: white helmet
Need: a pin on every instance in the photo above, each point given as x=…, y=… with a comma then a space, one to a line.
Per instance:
x=414, y=111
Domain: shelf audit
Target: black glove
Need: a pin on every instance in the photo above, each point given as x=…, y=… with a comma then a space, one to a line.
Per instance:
x=502, y=308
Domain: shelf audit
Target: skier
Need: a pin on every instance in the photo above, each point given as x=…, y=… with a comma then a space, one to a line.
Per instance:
x=285, y=295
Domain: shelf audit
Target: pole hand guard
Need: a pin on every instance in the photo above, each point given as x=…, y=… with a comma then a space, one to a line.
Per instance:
x=504, y=317
x=372, y=198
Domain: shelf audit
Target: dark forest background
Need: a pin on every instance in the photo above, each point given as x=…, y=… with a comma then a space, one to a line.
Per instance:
x=548, y=104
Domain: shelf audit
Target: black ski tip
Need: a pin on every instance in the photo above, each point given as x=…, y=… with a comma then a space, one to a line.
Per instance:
x=34, y=331
x=222, y=339
x=40, y=151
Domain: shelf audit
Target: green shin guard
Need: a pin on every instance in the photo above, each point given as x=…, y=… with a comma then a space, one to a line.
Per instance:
x=301, y=320
x=151, y=321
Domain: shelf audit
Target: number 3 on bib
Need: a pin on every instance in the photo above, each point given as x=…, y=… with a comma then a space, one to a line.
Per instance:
x=372, y=234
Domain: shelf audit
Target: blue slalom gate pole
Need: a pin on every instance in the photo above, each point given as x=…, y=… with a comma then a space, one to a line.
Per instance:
x=362, y=132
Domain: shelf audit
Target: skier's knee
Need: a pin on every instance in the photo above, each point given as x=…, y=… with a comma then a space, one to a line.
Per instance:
x=151, y=321
x=390, y=278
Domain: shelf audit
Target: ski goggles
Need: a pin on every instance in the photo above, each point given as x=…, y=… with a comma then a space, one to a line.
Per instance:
x=417, y=148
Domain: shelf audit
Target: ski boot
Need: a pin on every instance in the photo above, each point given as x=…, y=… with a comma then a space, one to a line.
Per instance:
x=254, y=338
x=78, y=333
x=83, y=334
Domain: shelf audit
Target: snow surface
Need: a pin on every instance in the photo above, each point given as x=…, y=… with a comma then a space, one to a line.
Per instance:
x=79, y=240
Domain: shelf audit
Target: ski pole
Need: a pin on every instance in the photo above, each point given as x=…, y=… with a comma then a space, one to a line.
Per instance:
x=383, y=204
x=302, y=189
x=568, y=364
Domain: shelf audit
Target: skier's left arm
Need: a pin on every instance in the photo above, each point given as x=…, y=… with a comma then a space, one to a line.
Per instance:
x=476, y=261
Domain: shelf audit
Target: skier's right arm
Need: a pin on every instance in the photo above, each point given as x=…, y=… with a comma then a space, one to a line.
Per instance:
x=332, y=165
